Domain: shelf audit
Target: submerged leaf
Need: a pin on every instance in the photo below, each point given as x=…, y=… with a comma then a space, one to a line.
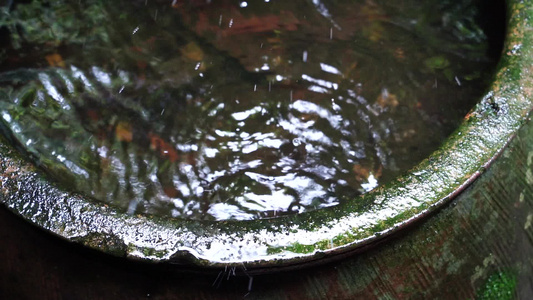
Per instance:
x=55, y=60
x=193, y=52
x=437, y=62
x=123, y=132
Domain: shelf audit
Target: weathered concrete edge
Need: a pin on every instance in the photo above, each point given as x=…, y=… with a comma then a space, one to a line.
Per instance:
x=301, y=238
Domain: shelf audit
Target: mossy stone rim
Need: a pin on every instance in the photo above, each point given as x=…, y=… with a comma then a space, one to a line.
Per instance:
x=296, y=239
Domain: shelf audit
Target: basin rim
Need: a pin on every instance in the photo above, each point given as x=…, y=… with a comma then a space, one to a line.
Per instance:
x=302, y=238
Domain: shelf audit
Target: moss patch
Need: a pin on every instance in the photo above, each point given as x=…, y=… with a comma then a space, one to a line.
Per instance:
x=500, y=286
x=106, y=242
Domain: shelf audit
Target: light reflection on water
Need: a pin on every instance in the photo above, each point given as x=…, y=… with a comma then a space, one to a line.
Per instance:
x=255, y=115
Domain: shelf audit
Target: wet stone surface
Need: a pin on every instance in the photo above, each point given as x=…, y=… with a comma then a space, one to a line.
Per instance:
x=233, y=109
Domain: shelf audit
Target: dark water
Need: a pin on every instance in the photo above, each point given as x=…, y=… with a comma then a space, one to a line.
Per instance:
x=236, y=109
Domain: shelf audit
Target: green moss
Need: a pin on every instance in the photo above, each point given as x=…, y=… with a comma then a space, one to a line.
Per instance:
x=300, y=248
x=500, y=286
x=347, y=237
x=274, y=250
x=148, y=252
x=106, y=242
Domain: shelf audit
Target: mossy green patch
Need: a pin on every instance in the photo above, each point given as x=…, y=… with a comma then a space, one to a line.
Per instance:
x=106, y=242
x=499, y=286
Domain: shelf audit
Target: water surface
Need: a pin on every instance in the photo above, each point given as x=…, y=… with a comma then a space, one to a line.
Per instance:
x=236, y=109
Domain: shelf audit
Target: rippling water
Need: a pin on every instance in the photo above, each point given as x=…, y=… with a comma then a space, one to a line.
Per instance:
x=235, y=109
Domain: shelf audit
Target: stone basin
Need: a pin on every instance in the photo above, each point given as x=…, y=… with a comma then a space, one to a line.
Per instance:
x=308, y=238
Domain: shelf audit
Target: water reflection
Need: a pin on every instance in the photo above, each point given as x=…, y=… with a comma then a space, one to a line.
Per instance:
x=237, y=109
